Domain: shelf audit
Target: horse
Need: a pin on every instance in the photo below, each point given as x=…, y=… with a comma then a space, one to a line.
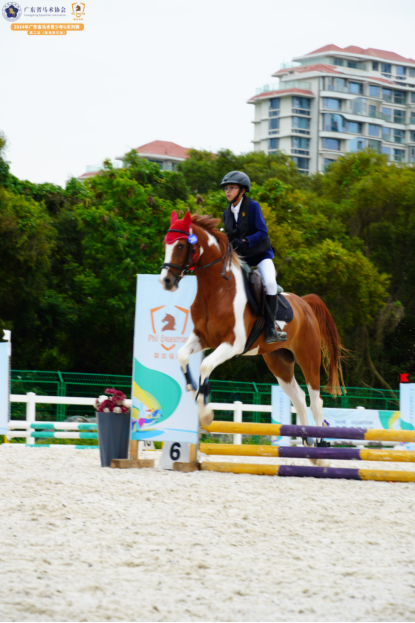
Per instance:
x=223, y=319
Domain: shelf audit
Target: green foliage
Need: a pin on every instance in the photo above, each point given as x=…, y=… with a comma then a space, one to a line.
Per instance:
x=27, y=240
x=69, y=256
x=204, y=171
x=348, y=282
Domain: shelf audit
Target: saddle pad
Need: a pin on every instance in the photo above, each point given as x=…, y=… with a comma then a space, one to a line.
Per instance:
x=249, y=294
x=285, y=311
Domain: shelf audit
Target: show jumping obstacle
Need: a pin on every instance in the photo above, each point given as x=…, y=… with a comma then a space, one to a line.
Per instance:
x=341, y=454
x=288, y=430
x=46, y=430
x=313, y=472
x=310, y=453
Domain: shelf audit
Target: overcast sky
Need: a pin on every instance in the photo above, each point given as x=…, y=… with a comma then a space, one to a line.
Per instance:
x=174, y=70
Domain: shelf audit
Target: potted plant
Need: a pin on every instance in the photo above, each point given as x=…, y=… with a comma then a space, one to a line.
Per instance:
x=113, y=421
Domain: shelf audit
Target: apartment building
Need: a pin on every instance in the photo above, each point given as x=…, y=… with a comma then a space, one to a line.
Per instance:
x=338, y=100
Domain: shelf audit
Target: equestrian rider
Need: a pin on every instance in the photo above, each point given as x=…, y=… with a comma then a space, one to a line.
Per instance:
x=248, y=234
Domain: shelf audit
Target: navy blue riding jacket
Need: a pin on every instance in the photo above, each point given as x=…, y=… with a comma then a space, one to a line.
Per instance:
x=260, y=231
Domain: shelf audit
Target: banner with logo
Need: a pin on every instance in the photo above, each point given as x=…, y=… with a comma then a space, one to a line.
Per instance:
x=163, y=410
x=281, y=413
x=357, y=418
x=4, y=386
x=407, y=405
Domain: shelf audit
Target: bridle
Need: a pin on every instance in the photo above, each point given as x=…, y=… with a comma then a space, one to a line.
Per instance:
x=188, y=267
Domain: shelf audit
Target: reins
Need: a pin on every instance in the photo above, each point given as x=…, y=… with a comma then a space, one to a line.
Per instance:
x=188, y=267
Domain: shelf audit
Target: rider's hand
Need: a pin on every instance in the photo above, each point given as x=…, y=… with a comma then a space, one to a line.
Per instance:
x=243, y=246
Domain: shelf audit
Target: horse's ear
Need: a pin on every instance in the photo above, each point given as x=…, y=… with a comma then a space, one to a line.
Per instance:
x=187, y=221
x=173, y=218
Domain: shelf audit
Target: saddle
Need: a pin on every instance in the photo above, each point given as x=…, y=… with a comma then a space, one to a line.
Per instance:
x=255, y=293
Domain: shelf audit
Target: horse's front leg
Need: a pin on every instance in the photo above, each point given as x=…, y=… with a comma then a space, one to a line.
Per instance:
x=224, y=352
x=192, y=346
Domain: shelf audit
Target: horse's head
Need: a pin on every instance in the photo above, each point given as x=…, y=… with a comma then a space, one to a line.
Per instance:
x=181, y=251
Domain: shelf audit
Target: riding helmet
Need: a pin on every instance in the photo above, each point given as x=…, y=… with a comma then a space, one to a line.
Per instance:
x=237, y=177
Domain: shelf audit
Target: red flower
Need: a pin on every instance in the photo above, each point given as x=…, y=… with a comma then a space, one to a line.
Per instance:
x=115, y=399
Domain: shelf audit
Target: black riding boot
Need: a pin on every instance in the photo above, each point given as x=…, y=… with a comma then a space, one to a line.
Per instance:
x=271, y=334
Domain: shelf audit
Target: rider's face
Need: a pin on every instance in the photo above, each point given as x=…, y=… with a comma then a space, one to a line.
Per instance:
x=232, y=192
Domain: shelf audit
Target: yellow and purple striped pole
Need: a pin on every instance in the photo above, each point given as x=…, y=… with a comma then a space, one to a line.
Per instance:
x=287, y=430
x=310, y=472
x=340, y=454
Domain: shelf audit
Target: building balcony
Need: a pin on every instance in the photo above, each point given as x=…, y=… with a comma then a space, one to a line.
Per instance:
x=301, y=111
x=300, y=131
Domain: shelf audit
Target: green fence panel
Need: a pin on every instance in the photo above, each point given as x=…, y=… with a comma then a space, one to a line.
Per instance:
x=42, y=383
x=87, y=384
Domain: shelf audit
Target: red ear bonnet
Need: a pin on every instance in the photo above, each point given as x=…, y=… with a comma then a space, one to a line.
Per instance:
x=184, y=224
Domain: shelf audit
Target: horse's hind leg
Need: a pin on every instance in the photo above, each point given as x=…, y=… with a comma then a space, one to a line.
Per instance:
x=310, y=365
x=281, y=364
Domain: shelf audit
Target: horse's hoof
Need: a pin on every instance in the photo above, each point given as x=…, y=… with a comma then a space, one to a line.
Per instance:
x=322, y=463
x=206, y=420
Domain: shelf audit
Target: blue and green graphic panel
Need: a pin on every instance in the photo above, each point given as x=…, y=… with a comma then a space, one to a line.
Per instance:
x=163, y=410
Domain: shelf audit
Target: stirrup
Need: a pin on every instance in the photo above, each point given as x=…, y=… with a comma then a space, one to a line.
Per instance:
x=275, y=336
x=271, y=334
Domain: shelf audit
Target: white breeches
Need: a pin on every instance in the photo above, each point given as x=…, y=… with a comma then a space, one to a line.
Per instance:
x=269, y=275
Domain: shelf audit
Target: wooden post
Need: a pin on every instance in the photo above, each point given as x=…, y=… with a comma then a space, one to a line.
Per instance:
x=131, y=463
x=192, y=465
x=134, y=449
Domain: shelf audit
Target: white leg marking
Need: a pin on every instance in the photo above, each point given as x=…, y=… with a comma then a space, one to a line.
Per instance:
x=222, y=353
x=316, y=405
x=297, y=397
x=192, y=346
x=225, y=351
x=167, y=259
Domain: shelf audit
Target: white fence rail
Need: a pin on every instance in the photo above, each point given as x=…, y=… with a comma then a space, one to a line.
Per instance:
x=31, y=399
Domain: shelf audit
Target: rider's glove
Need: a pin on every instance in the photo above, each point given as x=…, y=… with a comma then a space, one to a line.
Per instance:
x=241, y=246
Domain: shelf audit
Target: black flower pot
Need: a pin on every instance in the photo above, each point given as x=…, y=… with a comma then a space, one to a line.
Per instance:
x=113, y=436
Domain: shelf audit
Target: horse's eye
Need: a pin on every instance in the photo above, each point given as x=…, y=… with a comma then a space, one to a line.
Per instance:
x=180, y=247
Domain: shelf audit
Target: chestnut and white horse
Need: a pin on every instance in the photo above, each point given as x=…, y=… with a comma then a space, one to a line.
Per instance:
x=223, y=319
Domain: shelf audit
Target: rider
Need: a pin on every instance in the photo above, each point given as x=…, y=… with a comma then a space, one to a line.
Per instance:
x=248, y=234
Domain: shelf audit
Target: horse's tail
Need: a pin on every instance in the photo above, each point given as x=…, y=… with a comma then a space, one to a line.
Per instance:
x=331, y=345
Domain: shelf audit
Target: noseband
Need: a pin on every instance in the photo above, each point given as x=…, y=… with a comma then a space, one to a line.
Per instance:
x=188, y=267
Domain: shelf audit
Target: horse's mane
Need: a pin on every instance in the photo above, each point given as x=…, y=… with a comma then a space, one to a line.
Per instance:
x=210, y=225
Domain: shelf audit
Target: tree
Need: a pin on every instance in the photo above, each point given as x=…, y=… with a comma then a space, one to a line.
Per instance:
x=27, y=240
